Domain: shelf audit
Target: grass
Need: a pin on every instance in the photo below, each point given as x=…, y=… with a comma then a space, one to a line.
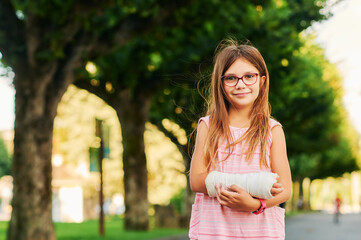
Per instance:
x=89, y=230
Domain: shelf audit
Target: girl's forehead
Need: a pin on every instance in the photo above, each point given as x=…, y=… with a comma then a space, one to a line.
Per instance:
x=241, y=65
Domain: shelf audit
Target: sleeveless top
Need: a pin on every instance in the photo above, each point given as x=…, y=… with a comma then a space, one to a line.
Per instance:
x=210, y=220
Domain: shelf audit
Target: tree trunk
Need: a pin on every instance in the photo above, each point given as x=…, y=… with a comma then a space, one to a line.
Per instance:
x=133, y=114
x=32, y=170
x=39, y=88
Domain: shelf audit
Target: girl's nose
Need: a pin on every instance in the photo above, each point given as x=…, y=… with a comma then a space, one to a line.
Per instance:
x=240, y=84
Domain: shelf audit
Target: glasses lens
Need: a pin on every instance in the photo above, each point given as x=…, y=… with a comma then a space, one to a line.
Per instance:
x=250, y=78
x=230, y=80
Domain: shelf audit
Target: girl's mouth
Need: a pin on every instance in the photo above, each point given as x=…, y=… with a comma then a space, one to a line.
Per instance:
x=241, y=94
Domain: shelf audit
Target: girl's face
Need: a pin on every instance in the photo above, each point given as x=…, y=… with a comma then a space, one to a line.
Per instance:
x=242, y=96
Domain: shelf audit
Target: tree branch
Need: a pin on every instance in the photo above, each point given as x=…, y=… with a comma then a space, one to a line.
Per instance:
x=12, y=40
x=135, y=25
x=39, y=26
x=64, y=74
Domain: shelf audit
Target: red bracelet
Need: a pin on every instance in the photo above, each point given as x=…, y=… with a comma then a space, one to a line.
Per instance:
x=261, y=208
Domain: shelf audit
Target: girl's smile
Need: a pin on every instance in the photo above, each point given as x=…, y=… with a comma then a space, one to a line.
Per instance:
x=241, y=94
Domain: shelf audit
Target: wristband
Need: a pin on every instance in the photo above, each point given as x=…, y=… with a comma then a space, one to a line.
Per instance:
x=261, y=208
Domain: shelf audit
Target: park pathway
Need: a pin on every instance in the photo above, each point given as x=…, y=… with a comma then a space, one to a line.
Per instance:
x=320, y=226
x=316, y=226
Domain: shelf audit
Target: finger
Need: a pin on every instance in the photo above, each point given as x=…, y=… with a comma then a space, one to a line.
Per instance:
x=275, y=191
x=221, y=189
x=277, y=185
x=223, y=194
x=235, y=188
x=220, y=194
x=217, y=188
x=223, y=199
x=229, y=193
x=220, y=200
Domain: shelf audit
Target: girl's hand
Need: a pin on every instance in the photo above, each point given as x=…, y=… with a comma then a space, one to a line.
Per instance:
x=276, y=189
x=236, y=198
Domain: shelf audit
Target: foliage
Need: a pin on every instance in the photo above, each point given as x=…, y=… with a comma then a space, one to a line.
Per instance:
x=315, y=120
x=178, y=201
x=5, y=160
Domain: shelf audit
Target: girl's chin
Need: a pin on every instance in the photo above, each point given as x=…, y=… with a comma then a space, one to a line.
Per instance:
x=243, y=105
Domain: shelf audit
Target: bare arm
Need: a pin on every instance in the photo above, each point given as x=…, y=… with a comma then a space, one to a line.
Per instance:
x=280, y=165
x=198, y=171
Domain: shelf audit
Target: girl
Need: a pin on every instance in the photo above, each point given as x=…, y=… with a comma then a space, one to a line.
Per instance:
x=238, y=137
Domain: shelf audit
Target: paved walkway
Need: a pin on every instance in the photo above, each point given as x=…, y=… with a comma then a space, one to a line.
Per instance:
x=316, y=226
x=319, y=226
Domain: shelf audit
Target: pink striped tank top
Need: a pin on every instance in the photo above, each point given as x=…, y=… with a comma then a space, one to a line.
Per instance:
x=209, y=220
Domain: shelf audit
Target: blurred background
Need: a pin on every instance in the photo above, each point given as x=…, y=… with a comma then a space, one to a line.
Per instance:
x=121, y=83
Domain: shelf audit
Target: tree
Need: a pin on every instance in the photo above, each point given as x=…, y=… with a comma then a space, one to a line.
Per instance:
x=43, y=42
x=5, y=160
x=326, y=120
x=315, y=119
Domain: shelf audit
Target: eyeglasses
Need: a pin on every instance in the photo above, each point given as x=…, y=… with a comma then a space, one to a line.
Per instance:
x=248, y=79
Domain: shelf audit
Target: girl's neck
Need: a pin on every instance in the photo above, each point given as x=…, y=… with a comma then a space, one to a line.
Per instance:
x=239, y=118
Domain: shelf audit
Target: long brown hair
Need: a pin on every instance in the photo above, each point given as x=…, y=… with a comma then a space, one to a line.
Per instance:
x=227, y=53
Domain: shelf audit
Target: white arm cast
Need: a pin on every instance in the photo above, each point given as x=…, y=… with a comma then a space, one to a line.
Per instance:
x=257, y=184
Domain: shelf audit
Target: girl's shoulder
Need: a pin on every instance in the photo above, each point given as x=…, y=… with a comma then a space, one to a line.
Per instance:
x=205, y=120
x=273, y=122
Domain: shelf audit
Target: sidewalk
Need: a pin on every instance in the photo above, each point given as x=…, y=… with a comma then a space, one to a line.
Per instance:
x=319, y=226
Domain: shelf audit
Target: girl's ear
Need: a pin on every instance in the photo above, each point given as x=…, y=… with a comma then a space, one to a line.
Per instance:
x=262, y=80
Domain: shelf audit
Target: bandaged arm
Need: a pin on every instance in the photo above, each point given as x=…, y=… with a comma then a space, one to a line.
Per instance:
x=257, y=184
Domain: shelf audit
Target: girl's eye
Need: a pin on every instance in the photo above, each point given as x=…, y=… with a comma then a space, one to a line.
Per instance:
x=230, y=78
x=249, y=76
